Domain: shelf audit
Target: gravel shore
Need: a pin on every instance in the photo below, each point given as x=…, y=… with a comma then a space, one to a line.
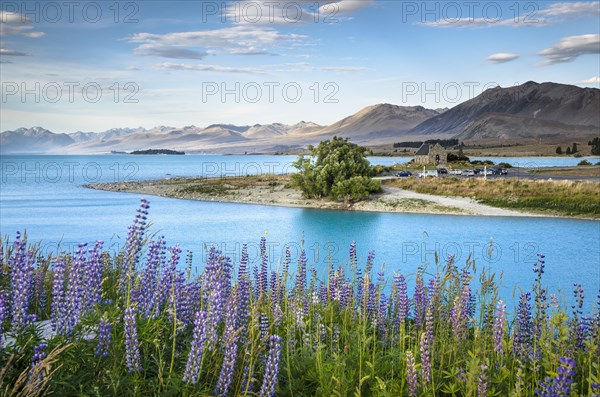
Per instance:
x=279, y=194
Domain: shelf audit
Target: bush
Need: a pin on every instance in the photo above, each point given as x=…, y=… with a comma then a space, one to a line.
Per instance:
x=337, y=169
x=504, y=165
x=452, y=158
x=584, y=162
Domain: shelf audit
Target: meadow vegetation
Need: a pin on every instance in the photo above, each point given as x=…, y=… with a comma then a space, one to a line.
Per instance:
x=141, y=323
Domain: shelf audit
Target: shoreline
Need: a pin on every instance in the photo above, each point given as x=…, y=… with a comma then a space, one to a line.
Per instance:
x=274, y=191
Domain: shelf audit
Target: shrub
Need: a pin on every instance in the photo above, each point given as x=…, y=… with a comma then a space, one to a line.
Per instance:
x=584, y=162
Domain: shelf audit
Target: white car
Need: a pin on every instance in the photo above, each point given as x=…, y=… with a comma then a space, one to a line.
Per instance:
x=426, y=174
x=455, y=172
x=468, y=173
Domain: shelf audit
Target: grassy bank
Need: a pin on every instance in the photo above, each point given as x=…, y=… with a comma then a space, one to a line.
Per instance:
x=593, y=171
x=569, y=198
x=140, y=323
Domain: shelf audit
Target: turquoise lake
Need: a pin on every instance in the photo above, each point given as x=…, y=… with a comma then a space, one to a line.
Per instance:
x=44, y=196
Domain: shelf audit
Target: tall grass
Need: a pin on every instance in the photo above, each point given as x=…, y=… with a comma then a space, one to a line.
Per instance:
x=557, y=197
x=232, y=330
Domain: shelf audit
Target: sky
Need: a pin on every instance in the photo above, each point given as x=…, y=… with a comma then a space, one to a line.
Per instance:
x=94, y=65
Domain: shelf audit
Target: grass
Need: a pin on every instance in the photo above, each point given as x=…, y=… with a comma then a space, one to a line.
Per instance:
x=570, y=198
x=593, y=171
x=286, y=332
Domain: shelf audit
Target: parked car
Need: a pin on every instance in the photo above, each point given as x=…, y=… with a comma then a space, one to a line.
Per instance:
x=468, y=173
x=403, y=174
x=494, y=171
x=478, y=171
x=426, y=174
x=455, y=172
x=504, y=171
x=489, y=172
x=442, y=171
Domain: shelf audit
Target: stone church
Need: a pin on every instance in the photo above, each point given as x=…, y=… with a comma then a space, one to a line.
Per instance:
x=431, y=155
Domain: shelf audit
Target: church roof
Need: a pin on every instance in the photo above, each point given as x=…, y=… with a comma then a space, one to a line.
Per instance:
x=423, y=150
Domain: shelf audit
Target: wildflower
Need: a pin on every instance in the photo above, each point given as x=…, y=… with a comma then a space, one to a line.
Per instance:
x=36, y=372
x=498, y=330
x=482, y=382
x=272, y=367
x=301, y=275
x=427, y=347
x=132, y=348
x=75, y=304
x=560, y=385
x=150, y=278
x=230, y=339
x=58, y=310
x=523, y=331
x=93, y=276
x=192, y=368
x=21, y=265
x=2, y=314
x=402, y=302
x=104, y=338
x=411, y=373
x=420, y=300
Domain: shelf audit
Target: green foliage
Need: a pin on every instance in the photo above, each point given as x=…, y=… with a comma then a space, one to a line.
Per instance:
x=504, y=165
x=574, y=148
x=595, y=144
x=559, y=150
x=337, y=169
x=452, y=158
x=584, y=162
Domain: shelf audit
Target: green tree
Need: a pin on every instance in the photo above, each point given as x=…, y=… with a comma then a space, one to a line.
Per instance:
x=336, y=169
x=568, y=150
x=558, y=150
x=595, y=144
x=574, y=148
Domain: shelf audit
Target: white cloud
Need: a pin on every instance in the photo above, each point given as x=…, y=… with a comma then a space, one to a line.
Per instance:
x=591, y=80
x=206, y=68
x=481, y=23
x=168, y=52
x=13, y=24
x=570, y=48
x=552, y=14
x=502, y=57
x=579, y=8
x=11, y=52
x=246, y=40
x=344, y=7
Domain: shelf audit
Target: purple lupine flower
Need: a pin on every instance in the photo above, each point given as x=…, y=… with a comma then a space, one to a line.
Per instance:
x=411, y=374
x=188, y=302
x=248, y=379
x=230, y=339
x=75, y=304
x=133, y=244
x=264, y=326
x=192, y=368
x=104, y=338
x=523, y=332
x=578, y=326
x=150, y=278
x=498, y=330
x=561, y=384
x=3, y=310
x=36, y=374
x=21, y=265
x=301, y=275
x=215, y=290
x=263, y=277
x=244, y=291
x=93, y=277
x=482, y=382
x=460, y=313
x=427, y=347
x=132, y=348
x=370, y=261
x=420, y=300
x=58, y=309
x=402, y=301
x=271, y=367
x=540, y=319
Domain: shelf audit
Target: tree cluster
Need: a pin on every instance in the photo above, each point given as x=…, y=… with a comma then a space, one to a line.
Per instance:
x=336, y=169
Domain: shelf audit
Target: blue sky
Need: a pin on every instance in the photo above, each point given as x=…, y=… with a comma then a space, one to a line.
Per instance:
x=92, y=66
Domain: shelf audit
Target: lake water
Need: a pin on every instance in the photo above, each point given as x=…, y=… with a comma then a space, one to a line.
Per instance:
x=44, y=196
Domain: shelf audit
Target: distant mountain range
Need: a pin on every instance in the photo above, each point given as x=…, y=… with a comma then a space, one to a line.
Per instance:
x=530, y=110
